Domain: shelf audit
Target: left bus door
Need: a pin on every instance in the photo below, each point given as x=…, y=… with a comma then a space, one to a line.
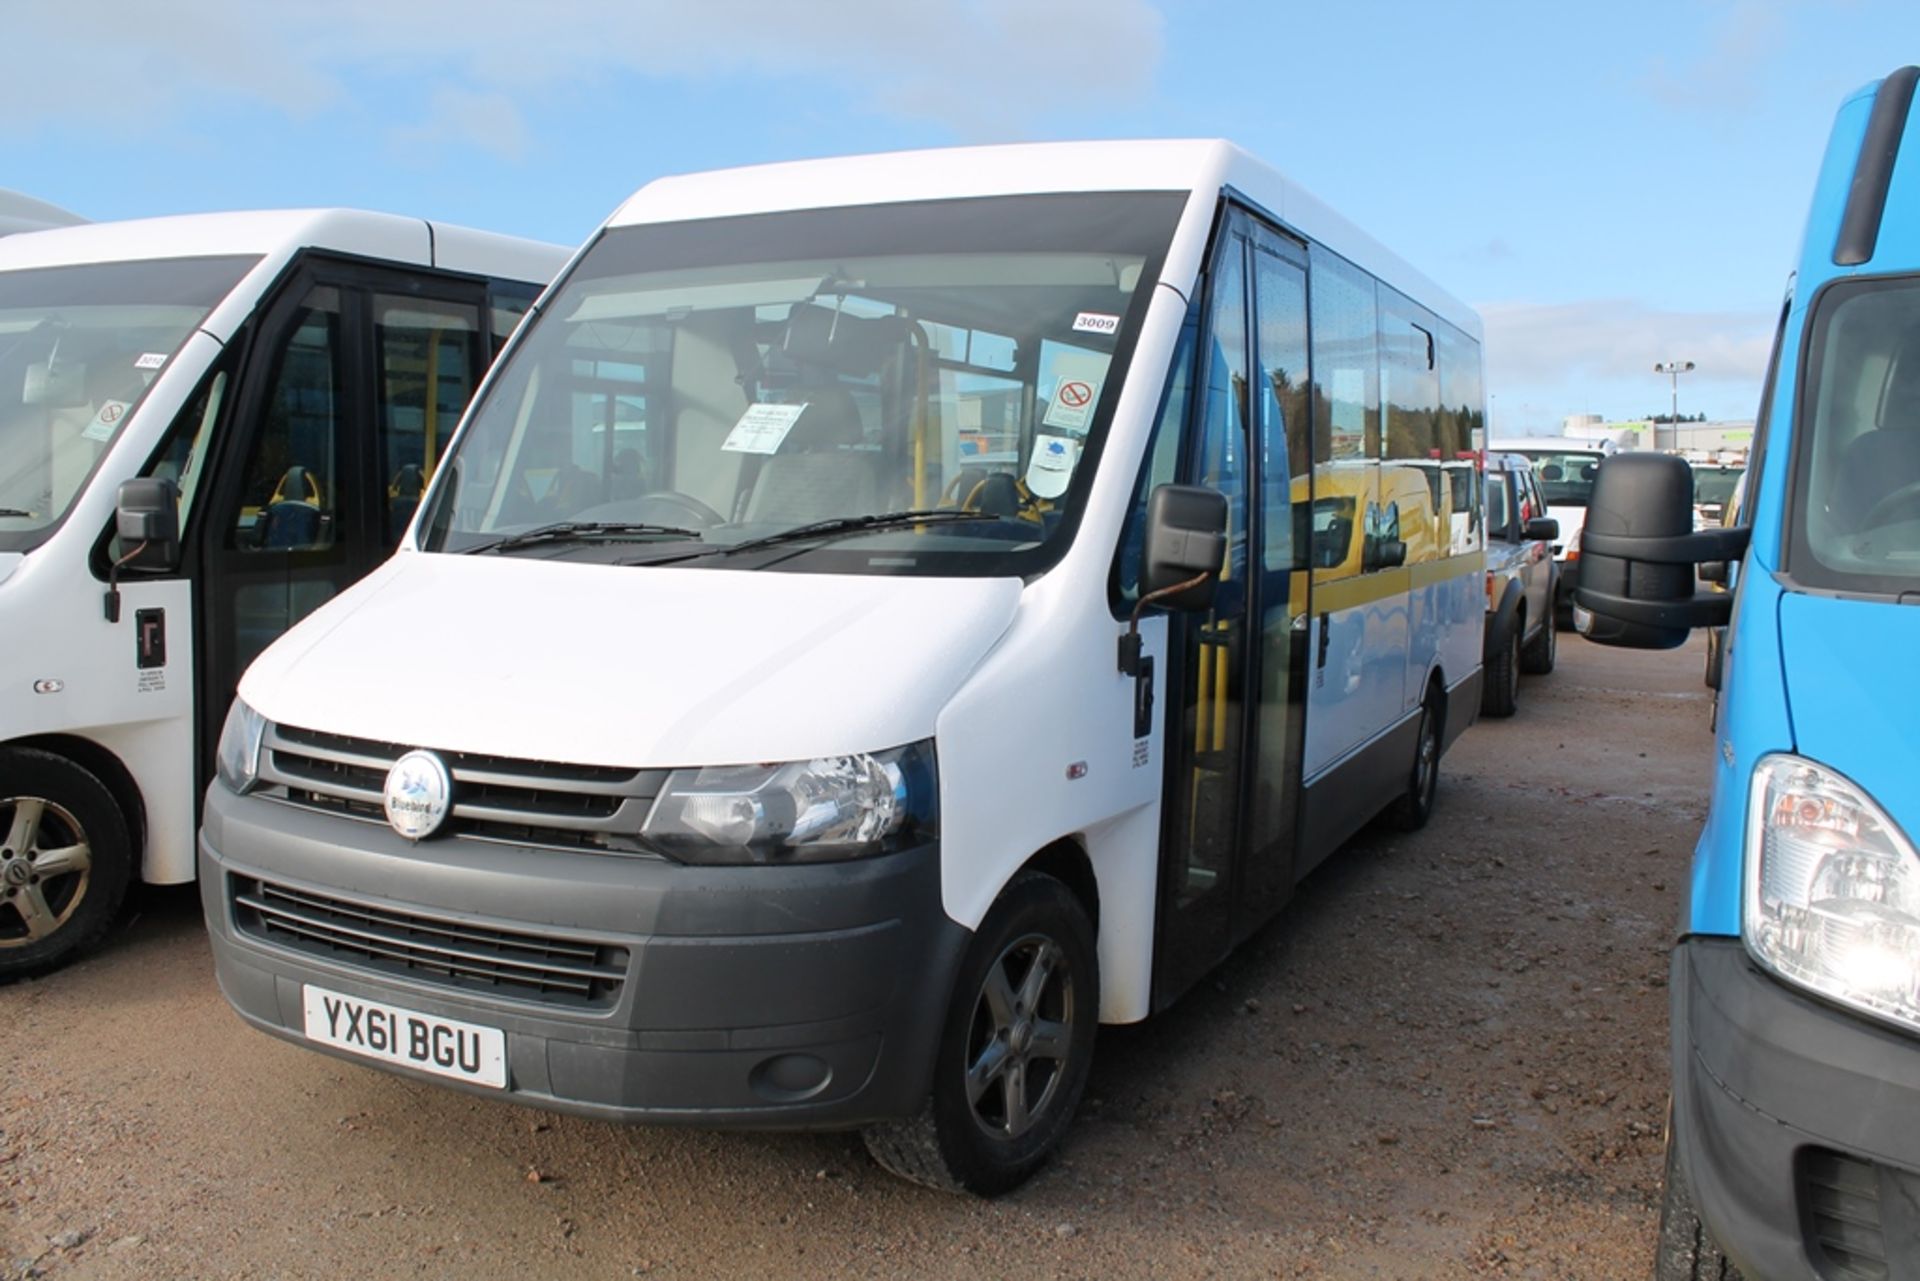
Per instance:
x=1234, y=719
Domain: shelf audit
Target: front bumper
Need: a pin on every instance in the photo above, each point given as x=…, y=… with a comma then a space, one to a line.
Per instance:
x=1797, y=1124
x=752, y=997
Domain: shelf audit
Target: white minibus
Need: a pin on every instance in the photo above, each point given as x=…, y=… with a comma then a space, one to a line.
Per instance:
x=273, y=389
x=881, y=618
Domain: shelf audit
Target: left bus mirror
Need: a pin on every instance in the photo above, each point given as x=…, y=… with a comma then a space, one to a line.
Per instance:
x=1186, y=539
x=148, y=518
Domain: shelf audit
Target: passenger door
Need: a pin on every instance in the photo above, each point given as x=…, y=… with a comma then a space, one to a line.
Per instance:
x=1237, y=671
x=351, y=381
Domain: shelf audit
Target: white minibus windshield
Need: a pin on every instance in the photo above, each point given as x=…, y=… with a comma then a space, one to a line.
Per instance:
x=79, y=346
x=800, y=387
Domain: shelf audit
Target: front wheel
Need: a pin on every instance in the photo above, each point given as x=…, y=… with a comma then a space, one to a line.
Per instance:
x=1686, y=1252
x=1423, y=781
x=65, y=860
x=1537, y=658
x=1014, y=1050
x=1500, y=688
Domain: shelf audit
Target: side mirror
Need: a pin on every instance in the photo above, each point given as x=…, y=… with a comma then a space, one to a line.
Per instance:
x=1186, y=537
x=1387, y=553
x=1638, y=551
x=147, y=518
x=1543, y=529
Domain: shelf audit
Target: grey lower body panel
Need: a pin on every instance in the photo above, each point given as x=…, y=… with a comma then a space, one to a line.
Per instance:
x=1797, y=1124
x=755, y=997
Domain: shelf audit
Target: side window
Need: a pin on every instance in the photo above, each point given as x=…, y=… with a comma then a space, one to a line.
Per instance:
x=289, y=499
x=1163, y=458
x=182, y=456
x=507, y=304
x=1346, y=414
x=425, y=353
x=1221, y=461
x=1410, y=399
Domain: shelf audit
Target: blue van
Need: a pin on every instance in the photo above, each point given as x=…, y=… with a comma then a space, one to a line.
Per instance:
x=1794, y=1144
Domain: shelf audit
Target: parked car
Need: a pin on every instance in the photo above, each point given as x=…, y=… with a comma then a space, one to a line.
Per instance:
x=1713, y=489
x=1564, y=467
x=1795, y=976
x=1523, y=582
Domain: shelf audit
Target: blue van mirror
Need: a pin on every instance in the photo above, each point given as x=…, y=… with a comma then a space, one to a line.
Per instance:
x=1638, y=552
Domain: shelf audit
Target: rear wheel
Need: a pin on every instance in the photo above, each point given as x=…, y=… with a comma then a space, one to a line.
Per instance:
x=1500, y=682
x=1423, y=783
x=1536, y=657
x=65, y=861
x=1686, y=1252
x=1014, y=1051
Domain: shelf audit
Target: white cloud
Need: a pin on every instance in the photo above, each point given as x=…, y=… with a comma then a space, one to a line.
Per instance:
x=978, y=68
x=484, y=121
x=1551, y=353
x=1731, y=74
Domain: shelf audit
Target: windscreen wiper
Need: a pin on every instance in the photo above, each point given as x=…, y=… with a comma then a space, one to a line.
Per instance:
x=13, y=511
x=582, y=531
x=842, y=526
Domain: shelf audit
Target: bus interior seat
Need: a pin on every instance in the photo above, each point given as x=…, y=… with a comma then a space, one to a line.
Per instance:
x=817, y=473
x=403, y=495
x=292, y=515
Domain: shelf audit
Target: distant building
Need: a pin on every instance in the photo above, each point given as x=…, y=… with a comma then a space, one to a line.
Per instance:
x=24, y=213
x=1710, y=438
x=1625, y=435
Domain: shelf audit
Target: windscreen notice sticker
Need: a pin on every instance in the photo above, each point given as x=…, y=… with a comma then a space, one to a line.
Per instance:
x=1096, y=322
x=1072, y=404
x=150, y=360
x=762, y=428
x=106, y=422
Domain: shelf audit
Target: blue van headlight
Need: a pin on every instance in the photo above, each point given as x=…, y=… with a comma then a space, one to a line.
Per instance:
x=237, y=760
x=1832, y=890
x=826, y=809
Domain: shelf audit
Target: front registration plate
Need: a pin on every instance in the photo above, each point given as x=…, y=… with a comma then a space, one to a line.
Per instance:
x=374, y=1030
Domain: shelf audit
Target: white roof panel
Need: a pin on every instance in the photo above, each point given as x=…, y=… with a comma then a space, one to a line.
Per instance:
x=1205, y=167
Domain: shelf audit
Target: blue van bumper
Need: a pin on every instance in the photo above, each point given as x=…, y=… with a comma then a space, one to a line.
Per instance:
x=1798, y=1124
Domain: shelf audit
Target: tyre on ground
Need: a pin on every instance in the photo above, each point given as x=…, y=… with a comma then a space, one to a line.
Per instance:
x=66, y=859
x=1014, y=1049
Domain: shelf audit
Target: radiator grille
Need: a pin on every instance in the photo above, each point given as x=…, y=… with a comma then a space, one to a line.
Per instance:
x=589, y=807
x=561, y=971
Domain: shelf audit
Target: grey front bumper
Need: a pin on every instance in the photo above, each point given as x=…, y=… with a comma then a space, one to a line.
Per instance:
x=756, y=997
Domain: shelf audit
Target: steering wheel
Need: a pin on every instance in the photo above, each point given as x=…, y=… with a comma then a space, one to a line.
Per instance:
x=1901, y=497
x=672, y=507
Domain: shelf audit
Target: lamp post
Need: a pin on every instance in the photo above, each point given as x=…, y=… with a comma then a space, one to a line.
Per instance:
x=1673, y=369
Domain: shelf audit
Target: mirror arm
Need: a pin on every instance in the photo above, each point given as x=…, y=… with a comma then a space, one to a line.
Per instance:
x=1130, y=643
x=113, y=583
x=1673, y=549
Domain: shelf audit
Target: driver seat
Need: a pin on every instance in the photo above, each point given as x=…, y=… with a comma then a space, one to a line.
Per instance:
x=818, y=473
x=1887, y=458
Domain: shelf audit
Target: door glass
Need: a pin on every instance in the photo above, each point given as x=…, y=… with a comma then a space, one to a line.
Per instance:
x=1212, y=695
x=1280, y=304
x=289, y=498
x=425, y=354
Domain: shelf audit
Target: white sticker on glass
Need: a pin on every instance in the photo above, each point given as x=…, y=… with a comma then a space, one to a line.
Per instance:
x=106, y=422
x=1051, y=467
x=1072, y=404
x=150, y=360
x=762, y=428
x=1096, y=322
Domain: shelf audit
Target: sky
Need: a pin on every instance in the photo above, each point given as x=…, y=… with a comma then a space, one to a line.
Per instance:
x=1609, y=185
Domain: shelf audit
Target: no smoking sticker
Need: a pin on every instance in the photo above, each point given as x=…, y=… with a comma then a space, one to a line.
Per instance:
x=1072, y=403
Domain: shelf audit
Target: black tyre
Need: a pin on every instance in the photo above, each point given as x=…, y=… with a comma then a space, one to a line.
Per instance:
x=1014, y=1050
x=65, y=861
x=1500, y=679
x=1538, y=654
x=1415, y=807
x=1686, y=1252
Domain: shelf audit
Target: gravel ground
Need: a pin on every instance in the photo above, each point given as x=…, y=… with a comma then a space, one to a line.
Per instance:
x=1446, y=1059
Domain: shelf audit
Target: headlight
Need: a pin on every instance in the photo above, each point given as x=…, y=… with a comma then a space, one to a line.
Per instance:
x=1832, y=890
x=238, y=760
x=822, y=810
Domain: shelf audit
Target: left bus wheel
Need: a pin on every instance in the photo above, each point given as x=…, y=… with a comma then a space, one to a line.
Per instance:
x=1423, y=781
x=1014, y=1051
x=65, y=860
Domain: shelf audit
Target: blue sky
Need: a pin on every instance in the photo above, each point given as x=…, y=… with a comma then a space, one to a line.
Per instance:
x=1611, y=185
